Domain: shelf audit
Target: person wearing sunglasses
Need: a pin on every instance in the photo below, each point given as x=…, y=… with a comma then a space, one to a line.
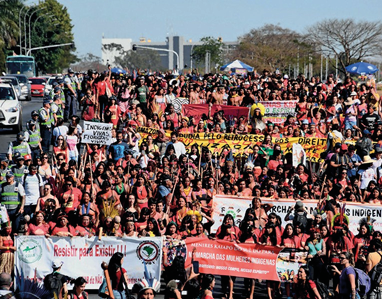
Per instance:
x=71, y=197
x=45, y=169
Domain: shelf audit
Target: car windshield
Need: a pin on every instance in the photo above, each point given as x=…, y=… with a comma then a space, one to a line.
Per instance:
x=13, y=80
x=6, y=93
x=51, y=80
x=37, y=81
x=22, y=79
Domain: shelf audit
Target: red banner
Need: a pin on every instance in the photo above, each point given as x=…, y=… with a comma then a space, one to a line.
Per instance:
x=197, y=110
x=228, y=258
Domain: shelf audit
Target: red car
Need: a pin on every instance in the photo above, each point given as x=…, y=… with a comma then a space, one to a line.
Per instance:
x=38, y=86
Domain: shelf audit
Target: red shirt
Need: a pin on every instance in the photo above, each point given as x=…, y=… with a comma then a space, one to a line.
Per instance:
x=76, y=196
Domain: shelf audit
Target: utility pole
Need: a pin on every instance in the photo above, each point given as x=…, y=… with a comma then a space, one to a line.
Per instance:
x=207, y=62
x=20, y=35
x=321, y=69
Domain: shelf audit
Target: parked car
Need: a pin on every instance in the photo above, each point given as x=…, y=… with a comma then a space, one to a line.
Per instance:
x=38, y=85
x=15, y=82
x=10, y=107
x=25, y=87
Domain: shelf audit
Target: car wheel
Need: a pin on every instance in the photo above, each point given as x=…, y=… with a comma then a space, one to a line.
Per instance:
x=29, y=98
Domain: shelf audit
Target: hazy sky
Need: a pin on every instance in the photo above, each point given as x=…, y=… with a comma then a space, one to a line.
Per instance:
x=195, y=19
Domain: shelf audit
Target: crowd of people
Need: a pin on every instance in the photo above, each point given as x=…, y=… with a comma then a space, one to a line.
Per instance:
x=52, y=184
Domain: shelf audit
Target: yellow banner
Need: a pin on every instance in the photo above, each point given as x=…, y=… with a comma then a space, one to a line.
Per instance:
x=242, y=145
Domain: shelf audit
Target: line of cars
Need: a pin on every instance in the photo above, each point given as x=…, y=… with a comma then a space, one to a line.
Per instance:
x=16, y=87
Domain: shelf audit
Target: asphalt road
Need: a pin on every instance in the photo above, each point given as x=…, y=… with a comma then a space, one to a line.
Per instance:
x=6, y=135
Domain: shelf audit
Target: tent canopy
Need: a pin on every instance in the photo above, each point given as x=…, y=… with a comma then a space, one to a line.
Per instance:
x=237, y=64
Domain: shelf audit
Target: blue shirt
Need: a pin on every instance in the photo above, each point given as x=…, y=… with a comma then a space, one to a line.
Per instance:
x=117, y=150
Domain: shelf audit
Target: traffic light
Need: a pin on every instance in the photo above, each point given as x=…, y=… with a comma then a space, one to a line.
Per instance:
x=134, y=47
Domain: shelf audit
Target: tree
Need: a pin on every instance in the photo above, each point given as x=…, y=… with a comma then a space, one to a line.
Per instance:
x=350, y=41
x=52, y=30
x=140, y=59
x=213, y=45
x=273, y=47
x=9, y=27
x=89, y=61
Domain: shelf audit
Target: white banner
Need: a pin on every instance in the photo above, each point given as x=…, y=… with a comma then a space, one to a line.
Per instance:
x=97, y=133
x=83, y=257
x=298, y=156
x=237, y=206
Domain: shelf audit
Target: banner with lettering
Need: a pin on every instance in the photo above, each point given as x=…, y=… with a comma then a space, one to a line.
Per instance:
x=234, y=259
x=242, y=145
x=277, y=111
x=83, y=257
x=236, y=206
x=97, y=133
x=197, y=110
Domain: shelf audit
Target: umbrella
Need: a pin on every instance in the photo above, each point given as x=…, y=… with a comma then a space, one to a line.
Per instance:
x=118, y=70
x=237, y=64
x=362, y=68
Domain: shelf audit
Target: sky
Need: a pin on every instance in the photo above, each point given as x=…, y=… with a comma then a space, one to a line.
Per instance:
x=195, y=19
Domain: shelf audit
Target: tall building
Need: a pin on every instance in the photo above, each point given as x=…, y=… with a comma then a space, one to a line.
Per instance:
x=113, y=47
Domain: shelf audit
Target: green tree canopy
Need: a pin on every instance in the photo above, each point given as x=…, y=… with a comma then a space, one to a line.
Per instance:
x=52, y=26
x=211, y=44
x=141, y=59
x=272, y=47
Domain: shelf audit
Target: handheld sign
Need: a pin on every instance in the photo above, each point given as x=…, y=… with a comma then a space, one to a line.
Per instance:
x=97, y=133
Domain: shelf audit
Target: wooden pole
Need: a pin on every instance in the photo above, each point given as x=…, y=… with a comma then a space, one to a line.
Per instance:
x=105, y=267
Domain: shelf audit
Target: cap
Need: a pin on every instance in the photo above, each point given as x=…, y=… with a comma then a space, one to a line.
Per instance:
x=57, y=264
x=56, y=97
x=127, y=152
x=305, y=122
x=299, y=205
x=286, y=77
x=9, y=174
x=337, y=145
x=54, y=84
x=34, y=112
x=32, y=122
x=27, y=157
x=20, y=136
x=70, y=71
x=19, y=158
x=353, y=93
x=57, y=89
x=47, y=101
x=344, y=147
x=135, y=102
x=366, y=132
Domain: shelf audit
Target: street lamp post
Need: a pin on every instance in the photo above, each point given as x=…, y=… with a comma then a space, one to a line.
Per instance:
x=30, y=17
x=159, y=49
x=34, y=23
x=21, y=10
x=25, y=27
x=192, y=47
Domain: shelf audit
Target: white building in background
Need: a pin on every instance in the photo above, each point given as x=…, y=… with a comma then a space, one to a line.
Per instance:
x=169, y=60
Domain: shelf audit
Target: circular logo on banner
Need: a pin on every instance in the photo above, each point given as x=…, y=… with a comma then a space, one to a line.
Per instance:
x=29, y=251
x=148, y=251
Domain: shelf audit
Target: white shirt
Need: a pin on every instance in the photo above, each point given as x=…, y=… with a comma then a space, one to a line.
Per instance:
x=179, y=147
x=61, y=130
x=32, y=186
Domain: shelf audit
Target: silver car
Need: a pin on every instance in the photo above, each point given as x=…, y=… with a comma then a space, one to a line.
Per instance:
x=15, y=82
x=26, y=89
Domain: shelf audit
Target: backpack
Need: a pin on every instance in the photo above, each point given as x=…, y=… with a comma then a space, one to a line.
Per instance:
x=363, y=282
x=300, y=218
x=376, y=274
x=360, y=145
x=323, y=290
x=53, y=283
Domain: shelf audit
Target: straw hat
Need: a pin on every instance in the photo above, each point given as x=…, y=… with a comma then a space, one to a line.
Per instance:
x=367, y=160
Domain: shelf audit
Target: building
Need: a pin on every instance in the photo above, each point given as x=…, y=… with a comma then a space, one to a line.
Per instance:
x=112, y=47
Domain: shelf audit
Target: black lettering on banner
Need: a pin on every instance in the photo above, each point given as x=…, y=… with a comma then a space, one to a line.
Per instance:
x=214, y=145
x=237, y=146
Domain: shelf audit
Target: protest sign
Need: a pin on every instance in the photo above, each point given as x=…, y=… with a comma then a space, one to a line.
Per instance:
x=242, y=145
x=277, y=111
x=97, y=133
x=237, y=206
x=299, y=156
x=83, y=256
x=220, y=257
x=197, y=110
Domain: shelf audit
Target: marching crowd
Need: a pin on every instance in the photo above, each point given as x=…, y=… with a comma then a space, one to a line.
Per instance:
x=52, y=184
